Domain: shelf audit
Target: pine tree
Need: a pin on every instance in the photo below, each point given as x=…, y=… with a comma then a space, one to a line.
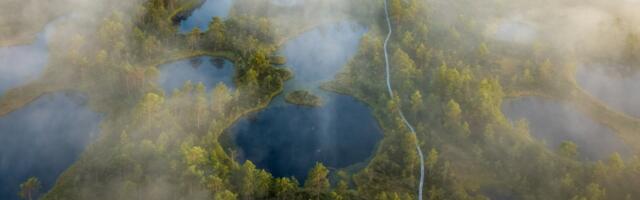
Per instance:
x=569, y=149
x=29, y=189
x=285, y=188
x=317, y=182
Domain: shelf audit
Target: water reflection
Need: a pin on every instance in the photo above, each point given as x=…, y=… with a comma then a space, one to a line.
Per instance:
x=201, y=16
x=289, y=140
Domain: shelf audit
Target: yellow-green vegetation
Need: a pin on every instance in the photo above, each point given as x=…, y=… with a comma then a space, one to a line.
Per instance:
x=30, y=188
x=303, y=98
x=631, y=53
x=557, y=82
x=278, y=60
x=448, y=80
x=165, y=146
x=627, y=127
x=184, y=8
x=19, y=97
x=451, y=83
x=52, y=80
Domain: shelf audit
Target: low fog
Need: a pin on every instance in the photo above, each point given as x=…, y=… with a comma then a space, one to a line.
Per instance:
x=43, y=139
x=318, y=38
x=206, y=70
x=593, y=31
x=598, y=38
x=620, y=92
x=554, y=123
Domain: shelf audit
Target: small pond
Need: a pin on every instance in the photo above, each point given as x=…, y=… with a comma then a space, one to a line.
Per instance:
x=317, y=56
x=554, y=122
x=201, y=16
x=287, y=140
x=43, y=139
x=204, y=69
x=620, y=93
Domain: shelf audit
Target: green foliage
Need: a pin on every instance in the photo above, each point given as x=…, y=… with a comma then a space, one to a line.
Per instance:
x=194, y=38
x=417, y=105
x=305, y=98
x=225, y=195
x=216, y=35
x=392, y=169
x=406, y=69
x=285, y=188
x=568, y=149
x=165, y=147
x=631, y=52
x=278, y=60
x=451, y=81
x=317, y=183
x=30, y=188
x=616, y=164
x=453, y=112
x=245, y=180
x=446, y=77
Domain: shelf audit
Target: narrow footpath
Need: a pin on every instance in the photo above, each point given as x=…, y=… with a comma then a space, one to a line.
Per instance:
x=386, y=59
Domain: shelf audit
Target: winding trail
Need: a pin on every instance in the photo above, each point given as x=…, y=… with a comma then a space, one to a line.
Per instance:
x=386, y=59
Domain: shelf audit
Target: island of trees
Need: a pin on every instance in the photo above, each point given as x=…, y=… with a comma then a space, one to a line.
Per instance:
x=303, y=98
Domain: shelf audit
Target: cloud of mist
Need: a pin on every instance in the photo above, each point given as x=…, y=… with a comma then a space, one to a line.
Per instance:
x=20, y=64
x=288, y=3
x=591, y=34
x=620, y=93
x=197, y=70
x=45, y=137
x=66, y=18
x=554, y=123
x=318, y=55
x=585, y=28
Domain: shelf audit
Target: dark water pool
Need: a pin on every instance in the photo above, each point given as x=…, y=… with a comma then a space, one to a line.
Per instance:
x=287, y=139
x=554, y=123
x=205, y=69
x=620, y=93
x=43, y=139
x=201, y=16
